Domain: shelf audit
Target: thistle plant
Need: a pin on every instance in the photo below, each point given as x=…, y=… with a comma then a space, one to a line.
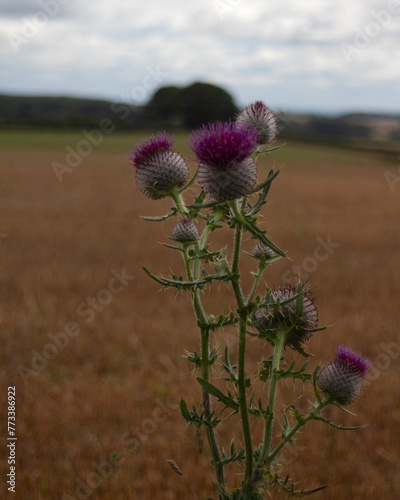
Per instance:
x=281, y=319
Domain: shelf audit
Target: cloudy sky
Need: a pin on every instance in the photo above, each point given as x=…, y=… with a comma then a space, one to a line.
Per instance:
x=295, y=55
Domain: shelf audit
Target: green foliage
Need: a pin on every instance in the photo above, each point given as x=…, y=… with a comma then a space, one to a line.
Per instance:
x=65, y=112
x=191, y=106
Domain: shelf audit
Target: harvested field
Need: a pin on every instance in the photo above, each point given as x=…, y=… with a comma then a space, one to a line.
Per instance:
x=98, y=384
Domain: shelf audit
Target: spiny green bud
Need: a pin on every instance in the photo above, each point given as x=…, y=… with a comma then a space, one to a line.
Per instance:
x=273, y=318
x=261, y=250
x=185, y=231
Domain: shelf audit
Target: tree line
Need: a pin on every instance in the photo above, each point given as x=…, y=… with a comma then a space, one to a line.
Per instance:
x=170, y=107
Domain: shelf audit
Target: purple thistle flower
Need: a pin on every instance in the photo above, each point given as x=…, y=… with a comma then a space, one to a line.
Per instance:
x=158, y=166
x=262, y=119
x=226, y=169
x=343, y=378
x=145, y=149
x=286, y=316
x=185, y=231
x=220, y=144
x=354, y=358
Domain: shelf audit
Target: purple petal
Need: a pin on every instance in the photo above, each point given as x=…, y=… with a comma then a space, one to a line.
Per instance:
x=353, y=358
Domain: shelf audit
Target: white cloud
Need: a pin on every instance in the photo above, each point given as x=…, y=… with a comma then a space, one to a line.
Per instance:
x=104, y=48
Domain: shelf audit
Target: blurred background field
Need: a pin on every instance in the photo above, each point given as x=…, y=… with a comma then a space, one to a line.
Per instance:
x=106, y=404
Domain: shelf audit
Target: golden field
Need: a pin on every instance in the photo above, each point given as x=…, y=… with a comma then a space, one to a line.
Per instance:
x=96, y=351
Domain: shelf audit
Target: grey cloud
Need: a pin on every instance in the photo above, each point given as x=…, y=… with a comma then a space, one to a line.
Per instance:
x=17, y=9
x=287, y=52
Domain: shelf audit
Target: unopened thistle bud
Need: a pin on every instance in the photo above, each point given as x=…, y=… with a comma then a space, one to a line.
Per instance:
x=158, y=166
x=262, y=119
x=261, y=250
x=287, y=317
x=226, y=169
x=343, y=378
x=185, y=231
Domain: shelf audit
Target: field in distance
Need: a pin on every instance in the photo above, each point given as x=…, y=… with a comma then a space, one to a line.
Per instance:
x=351, y=151
x=99, y=375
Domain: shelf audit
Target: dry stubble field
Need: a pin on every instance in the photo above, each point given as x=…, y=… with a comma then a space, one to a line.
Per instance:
x=97, y=416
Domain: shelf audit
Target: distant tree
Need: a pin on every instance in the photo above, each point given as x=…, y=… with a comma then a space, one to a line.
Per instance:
x=203, y=102
x=191, y=106
x=164, y=108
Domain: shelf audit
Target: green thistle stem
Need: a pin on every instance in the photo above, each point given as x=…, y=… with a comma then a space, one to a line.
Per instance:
x=187, y=261
x=301, y=423
x=242, y=396
x=205, y=373
x=276, y=359
x=204, y=333
x=205, y=360
x=177, y=198
x=261, y=268
x=242, y=345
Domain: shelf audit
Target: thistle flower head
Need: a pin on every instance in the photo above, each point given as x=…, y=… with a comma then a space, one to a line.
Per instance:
x=158, y=166
x=261, y=250
x=223, y=144
x=342, y=379
x=226, y=170
x=259, y=117
x=185, y=231
x=283, y=313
